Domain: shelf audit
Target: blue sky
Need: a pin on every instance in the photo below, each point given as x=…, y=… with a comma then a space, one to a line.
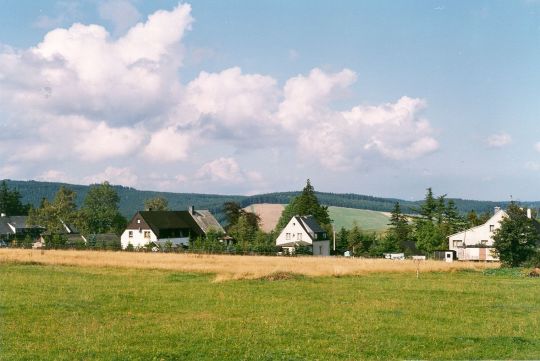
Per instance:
x=374, y=97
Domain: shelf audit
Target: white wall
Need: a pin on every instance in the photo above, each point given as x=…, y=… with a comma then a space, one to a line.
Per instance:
x=294, y=229
x=138, y=239
x=463, y=242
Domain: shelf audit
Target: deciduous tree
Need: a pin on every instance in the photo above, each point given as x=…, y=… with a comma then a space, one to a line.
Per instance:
x=517, y=238
x=99, y=213
x=156, y=204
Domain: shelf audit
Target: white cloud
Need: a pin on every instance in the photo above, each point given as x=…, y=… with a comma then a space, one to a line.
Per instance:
x=306, y=98
x=531, y=165
x=76, y=70
x=168, y=145
x=499, y=140
x=226, y=170
x=221, y=169
x=84, y=96
x=121, y=13
x=233, y=100
x=103, y=142
x=537, y=147
x=53, y=175
x=114, y=175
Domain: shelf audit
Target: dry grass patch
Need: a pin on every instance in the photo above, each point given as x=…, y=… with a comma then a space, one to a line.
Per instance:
x=227, y=267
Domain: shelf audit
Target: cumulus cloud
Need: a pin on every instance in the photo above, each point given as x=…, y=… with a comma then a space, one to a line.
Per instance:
x=85, y=96
x=53, y=175
x=114, y=175
x=83, y=71
x=499, y=140
x=226, y=170
x=121, y=13
x=531, y=165
x=168, y=145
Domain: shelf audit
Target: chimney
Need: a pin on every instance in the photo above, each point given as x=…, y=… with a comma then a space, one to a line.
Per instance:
x=496, y=210
x=529, y=213
x=192, y=210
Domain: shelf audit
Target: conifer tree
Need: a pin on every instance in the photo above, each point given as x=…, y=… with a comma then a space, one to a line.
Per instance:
x=305, y=204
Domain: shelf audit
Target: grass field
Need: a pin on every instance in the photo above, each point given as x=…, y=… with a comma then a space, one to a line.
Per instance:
x=51, y=312
x=371, y=221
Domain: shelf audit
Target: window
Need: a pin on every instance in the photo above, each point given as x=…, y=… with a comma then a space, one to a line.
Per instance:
x=484, y=241
x=287, y=236
x=130, y=234
x=457, y=243
x=299, y=237
x=146, y=234
x=138, y=221
x=491, y=227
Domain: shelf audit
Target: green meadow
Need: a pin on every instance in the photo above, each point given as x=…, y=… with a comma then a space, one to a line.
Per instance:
x=76, y=313
x=371, y=221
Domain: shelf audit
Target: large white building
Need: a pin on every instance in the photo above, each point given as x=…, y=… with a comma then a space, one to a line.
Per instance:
x=304, y=231
x=476, y=244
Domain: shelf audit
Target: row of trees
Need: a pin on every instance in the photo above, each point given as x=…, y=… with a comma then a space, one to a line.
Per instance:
x=98, y=214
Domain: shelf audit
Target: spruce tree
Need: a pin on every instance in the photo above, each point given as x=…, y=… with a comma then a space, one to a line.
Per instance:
x=305, y=204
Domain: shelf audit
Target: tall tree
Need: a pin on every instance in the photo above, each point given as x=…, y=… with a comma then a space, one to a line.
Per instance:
x=56, y=214
x=233, y=211
x=244, y=233
x=399, y=225
x=10, y=201
x=303, y=205
x=517, y=238
x=429, y=207
x=156, y=204
x=99, y=213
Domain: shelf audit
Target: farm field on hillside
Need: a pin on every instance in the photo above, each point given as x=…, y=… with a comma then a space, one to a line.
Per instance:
x=367, y=220
x=371, y=221
x=110, y=313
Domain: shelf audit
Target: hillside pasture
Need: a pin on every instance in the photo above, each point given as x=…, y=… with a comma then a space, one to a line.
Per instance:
x=370, y=221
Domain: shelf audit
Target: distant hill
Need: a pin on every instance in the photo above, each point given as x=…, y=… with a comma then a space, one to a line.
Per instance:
x=132, y=200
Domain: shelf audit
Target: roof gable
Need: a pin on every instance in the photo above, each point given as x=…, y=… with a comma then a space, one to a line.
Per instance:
x=499, y=214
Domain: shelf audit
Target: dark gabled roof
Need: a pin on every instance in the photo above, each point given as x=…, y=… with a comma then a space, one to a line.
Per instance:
x=311, y=224
x=170, y=220
x=19, y=222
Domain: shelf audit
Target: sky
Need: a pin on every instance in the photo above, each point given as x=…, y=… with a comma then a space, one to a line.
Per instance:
x=384, y=98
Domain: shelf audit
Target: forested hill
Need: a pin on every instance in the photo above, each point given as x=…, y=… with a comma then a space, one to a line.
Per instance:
x=132, y=199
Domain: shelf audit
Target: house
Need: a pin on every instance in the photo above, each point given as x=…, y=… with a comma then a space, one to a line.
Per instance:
x=15, y=227
x=161, y=227
x=68, y=232
x=304, y=231
x=476, y=244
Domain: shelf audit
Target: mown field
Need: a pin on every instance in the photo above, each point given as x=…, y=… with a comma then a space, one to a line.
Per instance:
x=371, y=221
x=53, y=312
